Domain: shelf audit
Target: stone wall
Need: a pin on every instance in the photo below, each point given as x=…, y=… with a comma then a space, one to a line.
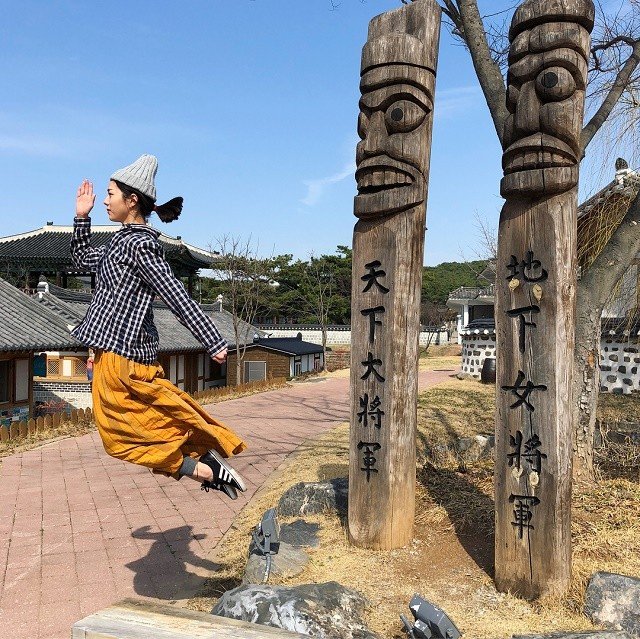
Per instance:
x=619, y=365
x=477, y=345
x=619, y=359
x=338, y=358
x=76, y=394
x=339, y=334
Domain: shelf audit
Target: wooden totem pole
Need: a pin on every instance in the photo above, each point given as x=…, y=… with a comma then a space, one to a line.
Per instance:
x=396, y=115
x=535, y=294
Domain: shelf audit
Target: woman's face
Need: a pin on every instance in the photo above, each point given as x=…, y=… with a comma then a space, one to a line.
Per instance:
x=119, y=209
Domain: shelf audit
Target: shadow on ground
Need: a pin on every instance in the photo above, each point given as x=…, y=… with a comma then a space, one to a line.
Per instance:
x=469, y=509
x=164, y=572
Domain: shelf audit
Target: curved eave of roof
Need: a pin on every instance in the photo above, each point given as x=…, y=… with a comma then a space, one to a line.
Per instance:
x=626, y=183
x=286, y=351
x=13, y=246
x=26, y=325
x=53, y=345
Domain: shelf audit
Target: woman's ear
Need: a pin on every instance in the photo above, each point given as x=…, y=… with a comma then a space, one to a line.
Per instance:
x=133, y=201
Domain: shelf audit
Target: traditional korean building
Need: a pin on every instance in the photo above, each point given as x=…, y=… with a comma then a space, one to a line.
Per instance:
x=26, y=330
x=45, y=251
x=183, y=358
x=271, y=357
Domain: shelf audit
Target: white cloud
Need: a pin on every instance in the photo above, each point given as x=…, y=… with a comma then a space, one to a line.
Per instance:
x=63, y=131
x=456, y=100
x=32, y=145
x=315, y=188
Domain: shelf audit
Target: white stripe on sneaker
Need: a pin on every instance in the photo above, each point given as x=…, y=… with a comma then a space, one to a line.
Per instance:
x=231, y=476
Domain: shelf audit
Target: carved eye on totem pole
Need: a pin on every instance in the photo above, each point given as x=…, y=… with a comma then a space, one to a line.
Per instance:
x=545, y=97
x=392, y=156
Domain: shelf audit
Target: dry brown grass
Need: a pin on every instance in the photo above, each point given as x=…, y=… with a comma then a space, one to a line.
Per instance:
x=66, y=429
x=223, y=393
x=450, y=560
x=615, y=408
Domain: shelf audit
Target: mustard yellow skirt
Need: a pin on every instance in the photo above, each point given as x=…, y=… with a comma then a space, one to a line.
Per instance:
x=144, y=419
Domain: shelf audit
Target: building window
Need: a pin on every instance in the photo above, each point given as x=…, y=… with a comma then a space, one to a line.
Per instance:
x=79, y=367
x=255, y=371
x=5, y=380
x=22, y=381
x=297, y=368
x=54, y=369
x=68, y=367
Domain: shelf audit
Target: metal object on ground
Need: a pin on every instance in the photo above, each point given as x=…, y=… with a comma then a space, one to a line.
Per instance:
x=266, y=538
x=430, y=621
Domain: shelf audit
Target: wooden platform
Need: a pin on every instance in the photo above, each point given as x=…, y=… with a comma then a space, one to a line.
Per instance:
x=135, y=619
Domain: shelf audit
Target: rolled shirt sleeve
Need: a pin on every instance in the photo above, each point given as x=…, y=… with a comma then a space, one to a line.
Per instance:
x=83, y=255
x=156, y=273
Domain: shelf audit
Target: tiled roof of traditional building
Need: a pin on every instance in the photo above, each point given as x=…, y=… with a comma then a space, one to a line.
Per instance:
x=49, y=246
x=26, y=325
x=288, y=345
x=173, y=335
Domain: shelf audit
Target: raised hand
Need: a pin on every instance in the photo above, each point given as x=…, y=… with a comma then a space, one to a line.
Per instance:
x=85, y=199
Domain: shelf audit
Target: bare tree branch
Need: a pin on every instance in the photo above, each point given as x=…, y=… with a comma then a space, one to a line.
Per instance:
x=620, y=84
x=487, y=69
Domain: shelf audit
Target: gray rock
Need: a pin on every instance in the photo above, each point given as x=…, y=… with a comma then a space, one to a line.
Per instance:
x=614, y=601
x=475, y=448
x=300, y=533
x=315, y=497
x=287, y=562
x=325, y=611
x=597, y=634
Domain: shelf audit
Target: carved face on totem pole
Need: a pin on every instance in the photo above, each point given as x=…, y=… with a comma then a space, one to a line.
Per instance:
x=397, y=85
x=545, y=96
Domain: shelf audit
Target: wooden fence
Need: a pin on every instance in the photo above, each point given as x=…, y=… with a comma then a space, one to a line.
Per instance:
x=21, y=430
x=219, y=393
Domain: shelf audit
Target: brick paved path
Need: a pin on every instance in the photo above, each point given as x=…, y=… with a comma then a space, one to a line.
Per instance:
x=80, y=530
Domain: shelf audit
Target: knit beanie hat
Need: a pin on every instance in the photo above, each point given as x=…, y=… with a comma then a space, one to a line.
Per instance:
x=140, y=175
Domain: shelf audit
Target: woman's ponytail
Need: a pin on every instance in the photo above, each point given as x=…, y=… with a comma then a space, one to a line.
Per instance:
x=169, y=211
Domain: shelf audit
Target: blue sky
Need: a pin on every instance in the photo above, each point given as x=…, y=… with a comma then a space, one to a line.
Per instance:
x=250, y=106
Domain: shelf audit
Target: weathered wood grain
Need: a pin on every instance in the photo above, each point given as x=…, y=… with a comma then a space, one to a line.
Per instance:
x=397, y=86
x=134, y=619
x=535, y=295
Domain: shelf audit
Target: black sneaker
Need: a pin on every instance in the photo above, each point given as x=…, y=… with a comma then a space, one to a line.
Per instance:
x=223, y=473
x=227, y=489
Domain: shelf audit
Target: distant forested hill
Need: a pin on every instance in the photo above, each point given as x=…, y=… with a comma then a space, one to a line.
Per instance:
x=439, y=281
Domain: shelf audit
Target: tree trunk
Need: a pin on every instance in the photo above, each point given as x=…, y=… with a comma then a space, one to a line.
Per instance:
x=586, y=384
x=594, y=290
x=324, y=347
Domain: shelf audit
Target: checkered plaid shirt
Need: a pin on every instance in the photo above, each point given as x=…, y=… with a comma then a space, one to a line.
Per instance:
x=131, y=271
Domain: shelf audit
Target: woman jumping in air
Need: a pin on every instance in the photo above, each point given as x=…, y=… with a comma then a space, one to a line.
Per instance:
x=141, y=417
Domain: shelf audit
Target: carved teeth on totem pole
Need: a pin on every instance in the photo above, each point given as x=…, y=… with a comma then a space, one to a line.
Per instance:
x=397, y=84
x=548, y=61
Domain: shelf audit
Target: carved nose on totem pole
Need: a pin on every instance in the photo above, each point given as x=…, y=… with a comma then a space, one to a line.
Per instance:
x=399, y=57
x=535, y=296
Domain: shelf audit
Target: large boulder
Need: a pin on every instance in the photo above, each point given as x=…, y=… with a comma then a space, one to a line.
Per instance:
x=289, y=561
x=314, y=498
x=325, y=611
x=300, y=533
x=614, y=602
